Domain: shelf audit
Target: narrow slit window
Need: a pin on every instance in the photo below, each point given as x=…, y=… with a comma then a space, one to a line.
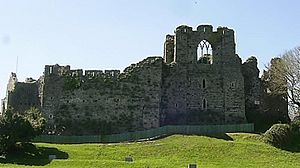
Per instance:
x=233, y=85
x=50, y=70
x=203, y=83
x=204, y=104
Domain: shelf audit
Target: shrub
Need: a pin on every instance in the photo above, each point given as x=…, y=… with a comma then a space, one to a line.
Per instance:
x=295, y=125
x=279, y=135
x=19, y=127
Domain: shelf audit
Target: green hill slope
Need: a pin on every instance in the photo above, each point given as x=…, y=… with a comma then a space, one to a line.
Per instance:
x=231, y=150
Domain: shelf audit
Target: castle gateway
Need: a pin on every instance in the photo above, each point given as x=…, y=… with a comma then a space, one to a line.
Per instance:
x=199, y=80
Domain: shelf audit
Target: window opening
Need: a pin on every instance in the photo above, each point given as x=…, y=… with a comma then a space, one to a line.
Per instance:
x=233, y=85
x=50, y=70
x=204, y=104
x=203, y=83
x=205, y=48
x=205, y=52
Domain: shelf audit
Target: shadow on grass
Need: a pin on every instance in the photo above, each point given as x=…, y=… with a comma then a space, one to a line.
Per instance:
x=223, y=136
x=31, y=155
x=293, y=149
x=294, y=146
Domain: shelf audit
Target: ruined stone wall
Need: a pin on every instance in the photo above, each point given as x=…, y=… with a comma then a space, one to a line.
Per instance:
x=21, y=95
x=9, y=88
x=187, y=86
x=169, y=49
x=51, y=89
x=233, y=84
x=253, y=89
x=3, y=103
x=24, y=96
x=263, y=108
x=149, y=78
x=185, y=91
x=111, y=101
x=11, y=83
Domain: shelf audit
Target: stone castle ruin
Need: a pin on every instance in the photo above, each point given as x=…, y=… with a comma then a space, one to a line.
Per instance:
x=199, y=80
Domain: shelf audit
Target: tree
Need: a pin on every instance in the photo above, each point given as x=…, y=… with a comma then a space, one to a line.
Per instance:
x=36, y=120
x=19, y=127
x=283, y=77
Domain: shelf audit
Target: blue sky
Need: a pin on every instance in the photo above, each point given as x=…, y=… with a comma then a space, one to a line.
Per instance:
x=95, y=34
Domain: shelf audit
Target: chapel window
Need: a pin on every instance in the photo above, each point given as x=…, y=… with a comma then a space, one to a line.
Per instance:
x=204, y=52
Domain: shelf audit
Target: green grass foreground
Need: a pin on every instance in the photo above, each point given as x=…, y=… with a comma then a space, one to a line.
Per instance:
x=229, y=150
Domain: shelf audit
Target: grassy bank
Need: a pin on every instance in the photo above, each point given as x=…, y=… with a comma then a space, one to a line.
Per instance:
x=230, y=150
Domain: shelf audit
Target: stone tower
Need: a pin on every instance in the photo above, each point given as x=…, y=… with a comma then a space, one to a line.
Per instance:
x=203, y=82
x=20, y=96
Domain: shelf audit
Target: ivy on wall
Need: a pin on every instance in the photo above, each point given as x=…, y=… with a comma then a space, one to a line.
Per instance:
x=72, y=83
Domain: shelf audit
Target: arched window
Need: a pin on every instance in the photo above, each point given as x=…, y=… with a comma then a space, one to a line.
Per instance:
x=204, y=104
x=204, y=52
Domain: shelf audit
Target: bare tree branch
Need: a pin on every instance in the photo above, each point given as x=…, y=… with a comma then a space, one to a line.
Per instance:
x=284, y=76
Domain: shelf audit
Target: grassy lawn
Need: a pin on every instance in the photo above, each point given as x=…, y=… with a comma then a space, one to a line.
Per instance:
x=230, y=150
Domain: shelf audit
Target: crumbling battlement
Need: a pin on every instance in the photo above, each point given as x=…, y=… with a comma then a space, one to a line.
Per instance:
x=67, y=71
x=182, y=47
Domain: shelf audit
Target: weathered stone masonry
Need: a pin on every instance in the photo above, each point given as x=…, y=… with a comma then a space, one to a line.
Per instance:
x=199, y=80
x=117, y=101
x=21, y=95
x=196, y=91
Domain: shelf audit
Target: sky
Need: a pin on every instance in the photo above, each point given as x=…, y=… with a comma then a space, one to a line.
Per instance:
x=98, y=34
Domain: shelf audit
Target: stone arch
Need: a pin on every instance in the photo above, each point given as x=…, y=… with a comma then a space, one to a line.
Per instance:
x=204, y=52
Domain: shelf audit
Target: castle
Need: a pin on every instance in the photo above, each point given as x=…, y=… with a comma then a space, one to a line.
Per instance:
x=199, y=80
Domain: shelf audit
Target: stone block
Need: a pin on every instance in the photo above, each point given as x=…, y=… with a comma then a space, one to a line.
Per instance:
x=192, y=165
x=52, y=157
x=129, y=159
